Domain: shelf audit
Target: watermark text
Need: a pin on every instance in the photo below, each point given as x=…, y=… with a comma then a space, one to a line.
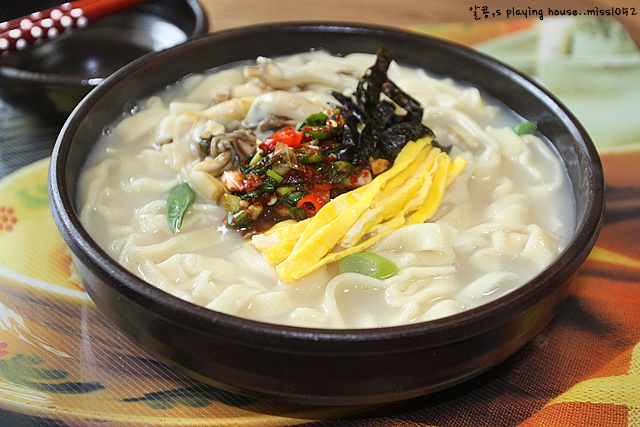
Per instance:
x=484, y=12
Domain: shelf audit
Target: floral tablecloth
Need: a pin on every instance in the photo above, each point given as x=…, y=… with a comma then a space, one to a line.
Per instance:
x=61, y=363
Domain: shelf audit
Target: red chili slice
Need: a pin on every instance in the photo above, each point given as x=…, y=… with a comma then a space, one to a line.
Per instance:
x=311, y=203
x=288, y=136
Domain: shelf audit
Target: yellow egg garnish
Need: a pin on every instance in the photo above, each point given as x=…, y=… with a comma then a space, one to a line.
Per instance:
x=409, y=192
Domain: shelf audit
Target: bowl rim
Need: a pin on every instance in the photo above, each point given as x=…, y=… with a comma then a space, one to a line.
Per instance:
x=472, y=321
x=10, y=72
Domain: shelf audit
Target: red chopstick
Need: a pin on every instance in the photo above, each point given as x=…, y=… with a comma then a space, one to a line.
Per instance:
x=20, y=33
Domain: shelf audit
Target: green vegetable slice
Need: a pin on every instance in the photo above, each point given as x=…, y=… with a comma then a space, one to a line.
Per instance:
x=525, y=128
x=369, y=264
x=180, y=198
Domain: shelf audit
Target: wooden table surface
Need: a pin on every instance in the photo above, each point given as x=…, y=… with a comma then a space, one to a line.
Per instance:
x=224, y=14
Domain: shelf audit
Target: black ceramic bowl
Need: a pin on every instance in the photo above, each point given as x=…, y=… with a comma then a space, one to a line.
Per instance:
x=319, y=366
x=49, y=79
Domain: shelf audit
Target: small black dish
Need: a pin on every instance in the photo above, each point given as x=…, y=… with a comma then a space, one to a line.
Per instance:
x=49, y=79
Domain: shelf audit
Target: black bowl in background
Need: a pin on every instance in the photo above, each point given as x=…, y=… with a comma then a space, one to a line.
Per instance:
x=321, y=366
x=49, y=79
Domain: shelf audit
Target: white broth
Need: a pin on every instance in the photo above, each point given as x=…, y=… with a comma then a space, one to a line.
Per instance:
x=505, y=218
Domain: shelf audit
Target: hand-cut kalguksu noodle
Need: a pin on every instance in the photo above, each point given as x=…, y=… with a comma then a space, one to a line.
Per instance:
x=504, y=219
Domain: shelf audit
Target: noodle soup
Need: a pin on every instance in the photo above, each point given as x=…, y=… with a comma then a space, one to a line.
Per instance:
x=503, y=217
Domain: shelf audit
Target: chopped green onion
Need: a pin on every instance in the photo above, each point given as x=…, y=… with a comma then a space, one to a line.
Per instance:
x=254, y=211
x=231, y=202
x=340, y=170
x=317, y=132
x=284, y=190
x=525, y=128
x=180, y=198
x=233, y=219
x=311, y=158
x=314, y=119
x=281, y=167
x=274, y=175
x=369, y=264
x=268, y=186
x=292, y=198
x=298, y=213
x=255, y=159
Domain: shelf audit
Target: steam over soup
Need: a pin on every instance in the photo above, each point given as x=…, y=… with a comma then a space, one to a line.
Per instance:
x=324, y=191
